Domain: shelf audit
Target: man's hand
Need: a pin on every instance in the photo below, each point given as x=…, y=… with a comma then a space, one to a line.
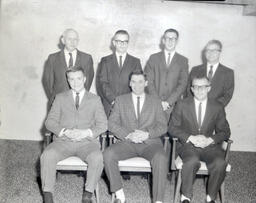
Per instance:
x=165, y=105
x=77, y=134
x=138, y=136
x=200, y=140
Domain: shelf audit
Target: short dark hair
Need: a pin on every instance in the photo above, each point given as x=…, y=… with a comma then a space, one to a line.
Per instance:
x=122, y=32
x=75, y=69
x=200, y=77
x=137, y=72
x=214, y=41
x=172, y=30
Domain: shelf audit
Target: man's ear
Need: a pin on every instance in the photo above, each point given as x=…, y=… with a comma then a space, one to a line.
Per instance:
x=62, y=39
x=209, y=89
x=146, y=83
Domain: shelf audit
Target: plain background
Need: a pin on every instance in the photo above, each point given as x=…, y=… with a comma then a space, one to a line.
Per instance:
x=30, y=31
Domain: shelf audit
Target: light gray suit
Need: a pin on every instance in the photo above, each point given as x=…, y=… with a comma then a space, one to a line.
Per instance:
x=123, y=121
x=63, y=114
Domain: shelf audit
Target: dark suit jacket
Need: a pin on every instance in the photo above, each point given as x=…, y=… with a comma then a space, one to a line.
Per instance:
x=222, y=85
x=184, y=122
x=54, y=78
x=167, y=82
x=123, y=121
x=63, y=114
x=114, y=81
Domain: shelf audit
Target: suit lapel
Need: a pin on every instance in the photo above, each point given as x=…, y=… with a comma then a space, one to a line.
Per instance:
x=207, y=116
x=217, y=74
x=114, y=63
x=193, y=113
x=70, y=98
x=126, y=62
x=78, y=58
x=63, y=60
x=130, y=105
x=173, y=61
x=162, y=60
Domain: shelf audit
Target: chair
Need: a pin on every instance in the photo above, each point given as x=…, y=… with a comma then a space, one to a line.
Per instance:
x=177, y=165
x=74, y=163
x=135, y=164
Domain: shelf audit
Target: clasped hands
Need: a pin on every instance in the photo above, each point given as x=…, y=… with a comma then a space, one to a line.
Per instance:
x=138, y=136
x=165, y=105
x=77, y=135
x=200, y=140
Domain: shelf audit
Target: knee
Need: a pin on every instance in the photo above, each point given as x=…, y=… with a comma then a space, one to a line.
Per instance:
x=160, y=158
x=95, y=158
x=191, y=162
x=108, y=155
x=48, y=155
x=219, y=164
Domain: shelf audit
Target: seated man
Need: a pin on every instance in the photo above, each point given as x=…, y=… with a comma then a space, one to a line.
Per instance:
x=200, y=125
x=77, y=118
x=138, y=121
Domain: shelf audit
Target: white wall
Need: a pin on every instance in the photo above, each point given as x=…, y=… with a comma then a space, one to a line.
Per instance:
x=30, y=30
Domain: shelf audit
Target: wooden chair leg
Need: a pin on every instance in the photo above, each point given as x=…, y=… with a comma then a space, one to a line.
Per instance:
x=178, y=185
x=222, y=193
x=97, y=193
x=113, y=197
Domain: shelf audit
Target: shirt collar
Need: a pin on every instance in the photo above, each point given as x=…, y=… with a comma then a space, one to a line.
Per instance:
x=197, y=102
x=123, y=55
x=80, y=93
x=215, y=66
x=142, y=96
x=171, y=52
x=74, y=52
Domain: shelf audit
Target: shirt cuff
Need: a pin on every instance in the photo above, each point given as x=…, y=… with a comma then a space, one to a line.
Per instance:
x=62, y=132
x=90, y=132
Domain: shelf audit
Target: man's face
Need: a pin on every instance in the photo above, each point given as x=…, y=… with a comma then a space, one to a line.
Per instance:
x=121, y=43
x=212, y=53
x=200, y=88
x=70, y=40
x=76, y=80
x=138, y=84
x=170, y=40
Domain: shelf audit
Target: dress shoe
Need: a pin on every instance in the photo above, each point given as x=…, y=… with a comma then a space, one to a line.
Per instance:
x=87, y=197
x=212, y=201
x=117, y=201
x=48, y=197
x=185, y=201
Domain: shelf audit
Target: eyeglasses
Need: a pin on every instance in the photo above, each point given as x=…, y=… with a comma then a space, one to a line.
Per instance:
x=120, y=42
x=200, y=87
x=212, y=50
x=172, y=39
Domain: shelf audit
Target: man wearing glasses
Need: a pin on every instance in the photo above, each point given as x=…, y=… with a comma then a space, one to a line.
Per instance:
x=220, y=76
x=200, y=125
x=167, y=72
x=114, y=71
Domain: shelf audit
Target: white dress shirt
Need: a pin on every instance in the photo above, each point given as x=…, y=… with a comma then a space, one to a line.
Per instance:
x=67, y=56
x=214, y=68
x=142, y=100
x=203, y=108
x=166, y=53
x=118, y=58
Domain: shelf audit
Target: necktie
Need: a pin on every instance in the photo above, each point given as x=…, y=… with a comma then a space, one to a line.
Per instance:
x=210, y=74
x=138, y=108
x=199, y=115
x=70, y=63
x=169, y=59
x=77, y=100
x=120, y=62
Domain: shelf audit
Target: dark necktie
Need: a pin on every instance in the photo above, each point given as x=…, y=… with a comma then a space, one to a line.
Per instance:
x=210, y=73
x=70, y=63
x=138, y=108
x=199, y=115
x=169, y=59
x=77, y=100
x=120, y=62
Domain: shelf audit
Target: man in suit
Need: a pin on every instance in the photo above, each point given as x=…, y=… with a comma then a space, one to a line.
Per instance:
x=137, y=121
x=221, y=77
x=167, y=72
x=200, y=125
x=76, y=118
x=54, y=78
x=115, y=70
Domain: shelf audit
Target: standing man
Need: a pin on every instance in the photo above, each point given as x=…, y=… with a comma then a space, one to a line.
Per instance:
x=220, y=76
x=200, y=125
x=115, y=71
x=54, y=78
x=138, y=121
x=167, y=72
x=76, y=118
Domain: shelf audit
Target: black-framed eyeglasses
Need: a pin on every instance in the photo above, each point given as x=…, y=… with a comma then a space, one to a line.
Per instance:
x=120, y=42
x=200, y=87
x=172, y=39
x=212, y=50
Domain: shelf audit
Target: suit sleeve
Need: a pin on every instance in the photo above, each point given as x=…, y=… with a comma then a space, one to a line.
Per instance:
x=160, y=125
x=222, y=130
x=52, y=121
x=149, y=71
x=181, y=85
x=114, y=122
x=175, y=125
x=138, y=65
x=104, y=81
x=48, y=77
x=89, y=74
x=100, y=124
x=188, y=92
x=228, y=89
